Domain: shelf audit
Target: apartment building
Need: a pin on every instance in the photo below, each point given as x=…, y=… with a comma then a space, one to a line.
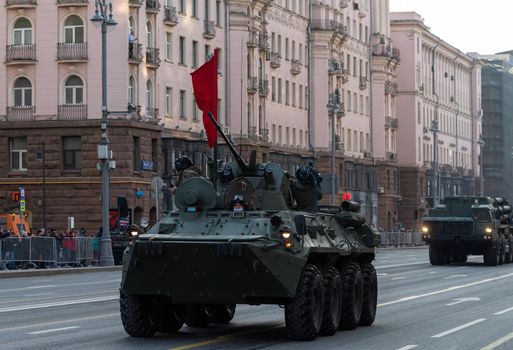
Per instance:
x=439, y=110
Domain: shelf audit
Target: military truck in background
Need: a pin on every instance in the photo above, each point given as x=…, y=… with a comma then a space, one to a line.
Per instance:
x=469, y=225
x=198, y=262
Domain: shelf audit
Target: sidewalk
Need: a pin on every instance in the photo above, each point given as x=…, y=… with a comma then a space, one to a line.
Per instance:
x=56, y=271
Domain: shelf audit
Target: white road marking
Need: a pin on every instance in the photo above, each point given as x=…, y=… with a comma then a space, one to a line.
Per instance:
x=504, y=311
x=459, y=328
x=408, y=347
x=382, y=274
x=74, y=320
x=401, y=265
x=454, y=276
x=58, y=303
x=433, y=272
x=498, y=342
x=58, y=285
x=398, y=278
x=450, y=289
x=38, y=287
x=38, y=295
x=462, y=300
x=55, y=330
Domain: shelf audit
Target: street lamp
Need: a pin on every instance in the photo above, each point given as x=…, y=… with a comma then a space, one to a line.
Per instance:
x=333, y=107
x=103, y=16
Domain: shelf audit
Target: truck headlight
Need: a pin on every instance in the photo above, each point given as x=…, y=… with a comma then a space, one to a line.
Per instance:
x=425, y=229
x=488, y=230
x=134, y=233
x=285, y=234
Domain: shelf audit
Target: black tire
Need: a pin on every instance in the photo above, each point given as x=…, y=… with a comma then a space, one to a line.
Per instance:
x=136, y=315
x=199, y=315
x=502, y=253
x=223, y=313
x=169, y=318
x=370, y=294
x=491, y=256
x=332, y=309
x=303, y=315
x=352, y=295
x=435, y=257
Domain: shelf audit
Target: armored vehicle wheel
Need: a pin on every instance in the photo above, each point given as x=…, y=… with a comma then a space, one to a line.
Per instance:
x=223, y=313
x=436, y=257
x=332, y=309
x=169, y=318
x=136, y=312
x=352, y=295
x=199, y=315
x=370, y=294
x=303, y=315
x=491, y=256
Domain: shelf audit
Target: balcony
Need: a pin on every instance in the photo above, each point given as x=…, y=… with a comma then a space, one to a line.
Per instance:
x=263, y=42
x=391, y=123
x=390, y=88
x=363, y=83
x=152, y=115
x=71, y=52
x=295, y=67
x=252, y=85
x=252, y=39
x=152, y=57
x=263, y=88
x=343, y=3
x=20, y=54
x=275, y=60
x=264, y=134
x=334, y=67
x=341, y=112
x=152, y=6
x=20, y=113
x=72, y=112
x=170, y=15
x=135, y=55
x=331, y=25
x=72, y=2
x=209, y=29
x=135, y=3
x=396, y=54
x=20, y=3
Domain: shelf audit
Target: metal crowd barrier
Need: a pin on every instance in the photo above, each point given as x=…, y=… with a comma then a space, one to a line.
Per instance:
x=401, y=239
x=45, y=252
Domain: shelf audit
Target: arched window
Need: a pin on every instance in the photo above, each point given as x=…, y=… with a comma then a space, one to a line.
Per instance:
x=260, y=70
x=131, y=90
x=73, y=30
x=22, y=32
x=131, y=24
x=149, y=94
x=74, y=90
x=22, y=92
x=149, y=34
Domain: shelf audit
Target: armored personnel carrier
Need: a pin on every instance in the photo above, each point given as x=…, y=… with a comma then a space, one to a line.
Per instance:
x=465, y=225
x=197, y=263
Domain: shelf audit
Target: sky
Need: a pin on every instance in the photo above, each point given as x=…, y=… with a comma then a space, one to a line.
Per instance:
x=469, y=25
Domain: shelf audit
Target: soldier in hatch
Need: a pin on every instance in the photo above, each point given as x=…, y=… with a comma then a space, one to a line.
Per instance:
x=186, y=170
x=306, y=188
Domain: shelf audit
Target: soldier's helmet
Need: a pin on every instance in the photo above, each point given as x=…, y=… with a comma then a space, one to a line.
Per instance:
x=308, y=175
x=237, y=201
x=182, y=163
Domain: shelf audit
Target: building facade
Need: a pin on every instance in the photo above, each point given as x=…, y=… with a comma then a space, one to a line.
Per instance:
x=439, y=109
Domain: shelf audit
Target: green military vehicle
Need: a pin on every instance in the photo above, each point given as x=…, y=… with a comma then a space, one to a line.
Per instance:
x=469, y=225
x=198, y=262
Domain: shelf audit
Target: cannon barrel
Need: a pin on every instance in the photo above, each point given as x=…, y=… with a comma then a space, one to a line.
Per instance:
x=350, y=206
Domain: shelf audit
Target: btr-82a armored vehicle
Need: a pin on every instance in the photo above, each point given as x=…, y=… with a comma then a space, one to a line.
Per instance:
x=198, y=262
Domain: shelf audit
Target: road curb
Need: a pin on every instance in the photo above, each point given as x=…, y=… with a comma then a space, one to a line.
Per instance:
x=58, y=271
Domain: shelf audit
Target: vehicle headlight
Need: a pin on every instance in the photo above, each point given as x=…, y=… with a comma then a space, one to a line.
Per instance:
x=134, y=233
x=488, y=230
x=285, y=234
x=425, y=229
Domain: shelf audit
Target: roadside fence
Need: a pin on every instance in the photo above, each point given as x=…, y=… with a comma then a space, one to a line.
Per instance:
x=47, y=252
x=407, y=238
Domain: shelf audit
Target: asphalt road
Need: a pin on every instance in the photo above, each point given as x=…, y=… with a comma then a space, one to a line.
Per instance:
x=464, y=306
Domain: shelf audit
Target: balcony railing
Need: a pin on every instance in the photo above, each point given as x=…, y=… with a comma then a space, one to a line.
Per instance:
x=328, y=24
x=295, y=66
x=170, y=15
x=152, y=6
x=20, y=53
x=20, y=113
x=20, y=3
x=152, y=115
x=252, y=39
x=72, y=2
x=72, y=112
x=275, y=60
x=135, y=3
x=363, y=83
x=71, y=51
x=252, y=85
x=391, y=123
x=209, y=29
x=334, y=67
x=135, y=55
x=152, y=57
x=263, y=88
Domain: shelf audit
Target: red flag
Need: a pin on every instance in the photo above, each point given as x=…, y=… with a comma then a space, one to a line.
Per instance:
x=204, y=84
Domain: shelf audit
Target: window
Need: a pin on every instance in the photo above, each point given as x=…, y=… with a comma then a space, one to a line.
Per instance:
x=22, y=32
x=18, y=153
x=287, y=48
x=207, y=52
x=182, y=104
x=273, y=89
x=300, y=96
x=293, y=94
x=194, y=110
x=194, y=9
x=182, y=6
x=149, y=35
x=73, y=30
x=71, y=152
x=182, y=50
x=194, y=54
x=131, y=91
x=273, y=42
x=149, y=94
x=169, y=99
x=293, y=49
x=279, y=90
x=73, y=90
x=300, y=53
x=169, y=52
x=136, y=153
x=22, y=92
x=287, y=93
x=218, y=12
x=279, y=45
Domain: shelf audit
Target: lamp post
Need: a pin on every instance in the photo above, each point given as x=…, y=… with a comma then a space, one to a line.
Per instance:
x=333, y=107
x=481, y=145
x=103, y=16
x=40, y=155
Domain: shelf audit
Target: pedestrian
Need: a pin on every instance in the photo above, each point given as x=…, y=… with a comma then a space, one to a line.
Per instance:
x=131, y=44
